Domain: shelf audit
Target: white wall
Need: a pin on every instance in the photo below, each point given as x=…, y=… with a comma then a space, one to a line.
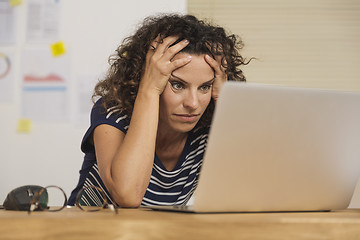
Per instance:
x=303, y=43
x=91, y=30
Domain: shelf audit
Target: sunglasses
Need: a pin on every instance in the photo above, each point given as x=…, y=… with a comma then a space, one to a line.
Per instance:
x=53, y=198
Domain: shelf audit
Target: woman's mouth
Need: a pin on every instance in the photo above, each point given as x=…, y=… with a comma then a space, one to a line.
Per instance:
x=187, y=117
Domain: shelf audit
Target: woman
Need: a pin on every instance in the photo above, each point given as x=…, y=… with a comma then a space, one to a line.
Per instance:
x=149, y=128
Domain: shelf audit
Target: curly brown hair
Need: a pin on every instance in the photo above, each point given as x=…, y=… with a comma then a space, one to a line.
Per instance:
x=120, y=86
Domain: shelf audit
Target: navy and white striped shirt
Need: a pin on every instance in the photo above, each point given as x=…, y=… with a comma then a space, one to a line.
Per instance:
x=173, y=187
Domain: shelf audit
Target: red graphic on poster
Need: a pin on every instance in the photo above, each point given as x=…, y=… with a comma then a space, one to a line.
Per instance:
x=49, y=78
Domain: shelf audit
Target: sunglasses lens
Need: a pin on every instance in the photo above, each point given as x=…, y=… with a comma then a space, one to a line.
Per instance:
x=91, y=199
x=43, y=199
x=56, y=198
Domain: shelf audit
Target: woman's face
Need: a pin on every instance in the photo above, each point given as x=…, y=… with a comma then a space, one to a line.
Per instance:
x=186, y=95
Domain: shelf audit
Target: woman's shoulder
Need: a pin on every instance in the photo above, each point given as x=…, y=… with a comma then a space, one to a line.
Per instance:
x=100, y=114
x=101, y=111
x=111, y=115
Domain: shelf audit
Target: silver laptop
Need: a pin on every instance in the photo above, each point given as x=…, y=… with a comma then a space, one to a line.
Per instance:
x=275, y=148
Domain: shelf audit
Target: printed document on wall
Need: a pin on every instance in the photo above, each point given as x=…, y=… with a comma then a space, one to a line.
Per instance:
x=45, y=94
x=6, y=76
x=43, y=21
x=7, y=22
x=85, y=87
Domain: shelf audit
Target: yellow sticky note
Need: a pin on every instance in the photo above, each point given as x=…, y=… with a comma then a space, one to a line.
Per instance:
x=58, y=49
x=14, y=3
x=24, y=125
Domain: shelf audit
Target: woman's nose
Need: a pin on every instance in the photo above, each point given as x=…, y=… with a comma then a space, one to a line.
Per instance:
x=191, y=100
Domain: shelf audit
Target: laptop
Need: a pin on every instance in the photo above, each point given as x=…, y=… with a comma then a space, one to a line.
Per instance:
x=274, y=149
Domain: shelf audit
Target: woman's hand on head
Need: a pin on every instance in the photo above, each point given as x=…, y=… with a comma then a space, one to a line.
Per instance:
x=159, y=66
x=219, y=73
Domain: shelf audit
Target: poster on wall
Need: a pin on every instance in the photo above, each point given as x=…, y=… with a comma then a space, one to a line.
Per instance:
x=43, y=21
x=85, y=88
x=45, y=88
x=7, y=22
x=6, y=76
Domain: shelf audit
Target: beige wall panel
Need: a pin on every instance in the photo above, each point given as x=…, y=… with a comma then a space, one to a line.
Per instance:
x=308, y=43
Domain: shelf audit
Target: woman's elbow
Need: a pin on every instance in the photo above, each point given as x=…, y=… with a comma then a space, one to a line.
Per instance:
x=130, y=203
x=127, y=199
x=125, y=195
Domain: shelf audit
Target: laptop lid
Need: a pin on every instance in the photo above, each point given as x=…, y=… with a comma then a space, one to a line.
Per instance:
x=275, y=148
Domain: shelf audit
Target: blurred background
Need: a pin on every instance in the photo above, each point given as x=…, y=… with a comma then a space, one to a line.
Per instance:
x=52, y=52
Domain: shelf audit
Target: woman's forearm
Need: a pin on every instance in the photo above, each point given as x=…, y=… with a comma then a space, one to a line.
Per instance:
x=132, y=164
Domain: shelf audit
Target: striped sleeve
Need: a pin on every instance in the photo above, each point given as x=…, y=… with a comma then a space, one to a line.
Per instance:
x=100, y=115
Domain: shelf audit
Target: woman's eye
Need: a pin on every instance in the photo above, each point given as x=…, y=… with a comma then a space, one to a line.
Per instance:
x=205, y=88
x=177, y=85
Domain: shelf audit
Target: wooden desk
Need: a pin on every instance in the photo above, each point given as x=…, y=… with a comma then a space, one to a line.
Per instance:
x=147, y=224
